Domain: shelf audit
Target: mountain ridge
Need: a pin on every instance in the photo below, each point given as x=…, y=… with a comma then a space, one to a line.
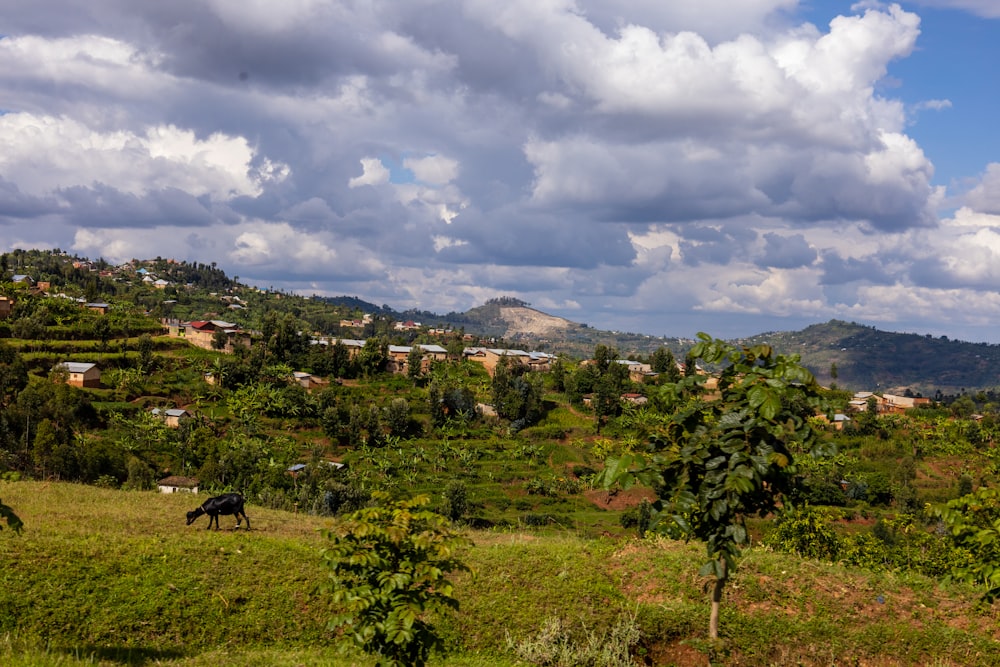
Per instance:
x=847, y=354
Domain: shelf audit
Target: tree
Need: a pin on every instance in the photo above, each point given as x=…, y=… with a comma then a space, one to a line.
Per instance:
x=974, y=524
x=220, y=339
x=665, y=364
x=373, y=356
x=13, y=374
x=723, y=458
x=388, y=567
x=102, y=332
x=517, y=396
x=414, y=363
x=146, y=359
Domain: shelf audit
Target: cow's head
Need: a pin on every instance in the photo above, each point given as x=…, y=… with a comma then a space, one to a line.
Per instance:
x=191, y=516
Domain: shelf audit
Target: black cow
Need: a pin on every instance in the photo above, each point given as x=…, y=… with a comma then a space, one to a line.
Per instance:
x=227, y=503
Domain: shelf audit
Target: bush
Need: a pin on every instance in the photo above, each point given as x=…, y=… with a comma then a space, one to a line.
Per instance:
x=388, y=568
x=556, y=645
x=806, y=532
x=456, y=501
x=339, y=498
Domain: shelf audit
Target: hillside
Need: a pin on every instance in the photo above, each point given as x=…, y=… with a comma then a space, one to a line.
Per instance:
x=865, y=358
x=862, y=357
x=93, y=580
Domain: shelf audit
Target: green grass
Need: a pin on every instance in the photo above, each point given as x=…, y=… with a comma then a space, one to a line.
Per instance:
x=104, y=577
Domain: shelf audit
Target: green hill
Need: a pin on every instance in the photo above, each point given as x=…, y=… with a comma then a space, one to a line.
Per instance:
x=868, y=359
x=115, y=578
x=864, y=357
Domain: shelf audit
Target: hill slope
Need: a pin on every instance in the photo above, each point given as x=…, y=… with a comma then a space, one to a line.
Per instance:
x=92, y=576
x=865, y=358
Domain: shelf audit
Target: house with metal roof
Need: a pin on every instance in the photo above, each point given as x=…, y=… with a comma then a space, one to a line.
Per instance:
x=178, y=484
x=81, y=374
x=172, y=417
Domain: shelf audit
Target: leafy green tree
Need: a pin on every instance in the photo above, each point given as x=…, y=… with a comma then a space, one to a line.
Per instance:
x=388, y=567
x=102, y=332
x=414, y=362
x=341, y=360
x=450, y=401
x=662, y=360
x=146, y=359
x=558, y=374
x=13, y=374
x=455, y=347
x=604, y=356
x=456, y=500
x=517, y=395
x=397, y=417
x=726, y=457
x=606, y=400
x=963, y=406
x=973, y=522
x=373, y=356
x=220, y=339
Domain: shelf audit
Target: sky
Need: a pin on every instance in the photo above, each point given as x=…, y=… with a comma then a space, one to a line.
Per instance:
x=726, y=166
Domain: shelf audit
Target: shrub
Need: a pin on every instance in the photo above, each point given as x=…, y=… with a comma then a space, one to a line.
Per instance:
x=342, y=498
x=556, y=645
x=388, y=565
x=456, y=501
x=805, y=531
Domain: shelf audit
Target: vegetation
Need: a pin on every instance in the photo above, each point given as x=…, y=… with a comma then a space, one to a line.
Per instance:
x=101, y=576
x=388, y=565
x=902, y=515
x=726, y=452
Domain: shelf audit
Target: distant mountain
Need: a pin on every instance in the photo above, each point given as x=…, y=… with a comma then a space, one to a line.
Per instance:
x=865, y=358
x=517, y=324
x=854, y=356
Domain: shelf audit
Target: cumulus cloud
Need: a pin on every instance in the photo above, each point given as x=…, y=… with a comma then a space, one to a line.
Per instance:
x=985, y=196
x=434, y=170
x=611, y=159
x=786, y=252
x=374, y=173
x=161, y=157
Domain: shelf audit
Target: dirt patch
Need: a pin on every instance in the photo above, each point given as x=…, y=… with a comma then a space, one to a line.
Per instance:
x=522, y=320
x=675, y=653
x=618, y=499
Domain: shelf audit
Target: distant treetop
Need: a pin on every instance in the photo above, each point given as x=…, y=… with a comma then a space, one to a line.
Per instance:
x=508, y=301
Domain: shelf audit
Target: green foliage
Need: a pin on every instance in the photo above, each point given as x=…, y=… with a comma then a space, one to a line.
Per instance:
x=388, y=566
x=517, y=394
x=730, y=456
x=557, y=645
x=456, y=501
x=13, y=374
x=806, y=532
x=237, y=599
x=974, y=524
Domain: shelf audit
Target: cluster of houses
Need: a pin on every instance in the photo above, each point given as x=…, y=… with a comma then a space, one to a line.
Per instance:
x=886, y=403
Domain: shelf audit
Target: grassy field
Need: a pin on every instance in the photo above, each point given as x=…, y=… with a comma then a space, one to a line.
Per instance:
x=116, y=578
